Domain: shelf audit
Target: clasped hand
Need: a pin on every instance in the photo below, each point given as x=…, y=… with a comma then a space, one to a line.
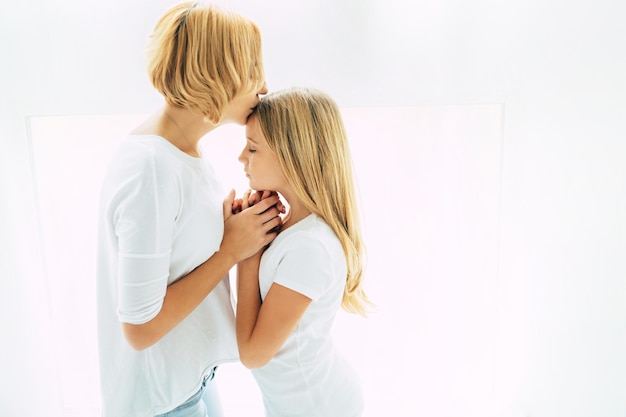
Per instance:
x=250, y=223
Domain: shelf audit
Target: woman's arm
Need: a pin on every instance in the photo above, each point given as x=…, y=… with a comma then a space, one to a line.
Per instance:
x=262, y=328
x=244, y=235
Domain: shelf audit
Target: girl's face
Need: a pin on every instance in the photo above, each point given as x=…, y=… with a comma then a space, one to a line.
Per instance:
x=260, y=163
x=240, y=107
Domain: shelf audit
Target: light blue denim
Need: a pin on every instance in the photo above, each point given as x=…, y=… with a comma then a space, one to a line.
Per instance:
x=204, y=403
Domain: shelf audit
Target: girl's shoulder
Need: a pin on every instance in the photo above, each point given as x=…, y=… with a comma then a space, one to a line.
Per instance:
x=309, y=234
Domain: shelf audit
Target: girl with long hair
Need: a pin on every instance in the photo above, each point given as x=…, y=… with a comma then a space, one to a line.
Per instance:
x=289, y=293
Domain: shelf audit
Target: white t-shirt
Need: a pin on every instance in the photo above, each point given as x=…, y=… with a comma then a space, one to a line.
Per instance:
x=160, y=217
x=308, y=377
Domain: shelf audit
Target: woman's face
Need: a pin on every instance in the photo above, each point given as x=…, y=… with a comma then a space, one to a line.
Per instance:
x=240, y=107
x=259, y=162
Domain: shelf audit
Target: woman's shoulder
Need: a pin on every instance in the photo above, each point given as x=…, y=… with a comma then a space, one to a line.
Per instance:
x=145, y=146
x=151, y=150
x=141, y=160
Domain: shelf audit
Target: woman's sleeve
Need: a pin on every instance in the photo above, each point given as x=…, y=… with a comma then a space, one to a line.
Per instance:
x=144, y=218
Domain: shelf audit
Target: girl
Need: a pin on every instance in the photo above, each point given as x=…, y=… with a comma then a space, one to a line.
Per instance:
x=289, y=296
x=164, y=250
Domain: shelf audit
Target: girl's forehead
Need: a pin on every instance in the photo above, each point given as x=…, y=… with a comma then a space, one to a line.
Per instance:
x=253, y=131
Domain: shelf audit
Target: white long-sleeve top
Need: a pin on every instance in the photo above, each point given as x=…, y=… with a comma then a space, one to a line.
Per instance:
x=160, y=217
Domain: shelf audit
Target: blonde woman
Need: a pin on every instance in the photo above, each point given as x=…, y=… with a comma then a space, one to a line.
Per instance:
x=289, y=294
x=164, y=248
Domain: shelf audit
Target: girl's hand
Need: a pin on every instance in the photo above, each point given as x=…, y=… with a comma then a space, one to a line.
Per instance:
x=250, y=198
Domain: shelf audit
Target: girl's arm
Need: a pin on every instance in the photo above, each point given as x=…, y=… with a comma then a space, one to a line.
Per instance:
x=262, y=328
x=244, y=234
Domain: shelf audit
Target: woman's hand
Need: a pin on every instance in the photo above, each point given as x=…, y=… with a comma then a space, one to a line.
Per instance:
x=252, y=228
x=250, y=198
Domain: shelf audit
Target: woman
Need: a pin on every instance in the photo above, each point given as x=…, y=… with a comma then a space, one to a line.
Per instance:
x=289, y=294
x=164, y=315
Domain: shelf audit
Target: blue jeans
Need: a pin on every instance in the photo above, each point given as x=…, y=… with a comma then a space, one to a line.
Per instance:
x=204, y=403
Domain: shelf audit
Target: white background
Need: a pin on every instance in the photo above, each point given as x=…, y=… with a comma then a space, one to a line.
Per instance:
x=491, y=164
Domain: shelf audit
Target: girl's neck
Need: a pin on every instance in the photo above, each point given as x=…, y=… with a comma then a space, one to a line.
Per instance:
x=297, y=211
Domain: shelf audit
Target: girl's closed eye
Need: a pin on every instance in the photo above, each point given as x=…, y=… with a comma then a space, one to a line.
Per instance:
x=250, y=145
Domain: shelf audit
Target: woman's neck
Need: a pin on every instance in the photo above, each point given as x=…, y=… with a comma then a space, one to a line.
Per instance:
x=179, y=126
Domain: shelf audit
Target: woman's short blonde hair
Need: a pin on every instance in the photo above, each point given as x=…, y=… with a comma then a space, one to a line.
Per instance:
x=305, y=130
x=200, y=57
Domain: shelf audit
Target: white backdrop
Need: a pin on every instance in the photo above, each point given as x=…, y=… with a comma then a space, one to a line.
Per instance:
x=509, y=297
x=431, y=249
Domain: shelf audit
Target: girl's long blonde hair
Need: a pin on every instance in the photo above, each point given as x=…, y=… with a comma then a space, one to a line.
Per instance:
x=201, y=56
x=304, y=128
